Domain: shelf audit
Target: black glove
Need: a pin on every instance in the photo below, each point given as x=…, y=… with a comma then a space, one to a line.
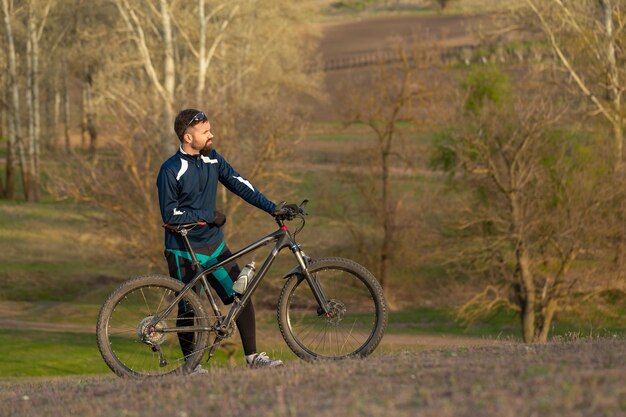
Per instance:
x=288, y=211
x=219, y=218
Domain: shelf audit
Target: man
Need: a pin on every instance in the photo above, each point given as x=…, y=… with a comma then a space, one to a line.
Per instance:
x=187, y=185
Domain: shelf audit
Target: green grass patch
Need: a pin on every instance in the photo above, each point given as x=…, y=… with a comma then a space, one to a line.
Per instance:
x=28, y=353
x=502, y=324
x=444, y=321
x=37, y=353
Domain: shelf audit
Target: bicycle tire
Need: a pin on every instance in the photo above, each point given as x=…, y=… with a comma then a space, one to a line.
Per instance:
x=357, y=323
x=125, y=314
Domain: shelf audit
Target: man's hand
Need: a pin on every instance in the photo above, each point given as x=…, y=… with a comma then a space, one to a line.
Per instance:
x=287, y=211
x=219, y=218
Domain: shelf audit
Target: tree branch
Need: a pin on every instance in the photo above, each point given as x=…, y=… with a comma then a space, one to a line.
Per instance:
x=574, y=74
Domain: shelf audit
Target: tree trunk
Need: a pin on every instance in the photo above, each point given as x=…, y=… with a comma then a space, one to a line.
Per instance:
x=612, y=76
x=205, y=57
x=528, y=295
x=613, y=82
x=4, y=119
x=387, y=223
x=83, y=118
x=527, y=283
x=613, y=94
x=546, y=321
x=36, y=114
x=169, y=79
x=552, y=295
x=29, y=194
x=66, y=109
x=164, y=89
x=89, y=118
x=201, y=52
x=32, y=102
x=15, y=126
x=58, y=100
x=9, y=177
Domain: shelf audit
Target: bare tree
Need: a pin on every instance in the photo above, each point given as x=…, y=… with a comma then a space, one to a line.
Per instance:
x=89, y=113
x=4, y=105
x=592, y=30
x=15, y=141
x=587, y=38
x=251, y=132
x=36, y=22
x=204, y=55
x=534, y=202
x=390, y=101
x=27, y=146
x=139, y=17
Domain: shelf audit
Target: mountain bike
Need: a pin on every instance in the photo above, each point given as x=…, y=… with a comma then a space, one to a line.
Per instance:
x=329, y=308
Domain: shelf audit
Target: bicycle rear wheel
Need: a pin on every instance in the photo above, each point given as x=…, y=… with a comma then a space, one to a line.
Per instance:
x=357, y=318
x=129, y=342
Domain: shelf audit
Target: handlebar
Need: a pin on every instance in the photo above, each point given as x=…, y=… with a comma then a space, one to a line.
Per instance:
x=286, y=211
x=282, y=212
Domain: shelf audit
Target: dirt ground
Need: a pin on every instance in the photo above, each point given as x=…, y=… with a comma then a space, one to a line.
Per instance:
x=383, y=33
x=576, y=378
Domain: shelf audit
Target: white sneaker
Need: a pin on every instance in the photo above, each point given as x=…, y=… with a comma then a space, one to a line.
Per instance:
x=261, y=360
x=199, y=370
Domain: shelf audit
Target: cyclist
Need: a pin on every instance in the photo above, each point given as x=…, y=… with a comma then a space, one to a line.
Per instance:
x=187, y=187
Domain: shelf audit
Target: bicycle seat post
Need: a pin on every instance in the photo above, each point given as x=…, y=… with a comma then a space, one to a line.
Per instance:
x=194, y=260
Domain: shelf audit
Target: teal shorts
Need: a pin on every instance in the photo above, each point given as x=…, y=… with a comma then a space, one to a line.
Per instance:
x=180, y=268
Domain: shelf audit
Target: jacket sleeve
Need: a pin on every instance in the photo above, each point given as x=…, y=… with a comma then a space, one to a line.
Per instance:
x=242, y=187
x=168, y=202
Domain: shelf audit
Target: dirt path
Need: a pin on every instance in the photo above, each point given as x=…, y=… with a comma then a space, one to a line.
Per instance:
x=344, y=46
x=13, y=323
x=382, y=33
x=435, y=341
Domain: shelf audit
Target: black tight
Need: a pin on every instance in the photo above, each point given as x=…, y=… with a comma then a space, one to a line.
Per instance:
x=247, y=329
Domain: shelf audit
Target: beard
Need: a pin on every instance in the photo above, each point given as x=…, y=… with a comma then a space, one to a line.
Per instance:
x=206, y=149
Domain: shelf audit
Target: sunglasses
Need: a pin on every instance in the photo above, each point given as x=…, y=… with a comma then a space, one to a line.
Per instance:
x=200, y=117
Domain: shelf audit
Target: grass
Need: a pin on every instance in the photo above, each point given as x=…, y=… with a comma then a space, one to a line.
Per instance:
x=41, y=353
x=50, y=252
x=27, y=353
x=443, y=321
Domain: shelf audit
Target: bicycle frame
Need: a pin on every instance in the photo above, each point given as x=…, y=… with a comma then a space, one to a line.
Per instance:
x=283, y=239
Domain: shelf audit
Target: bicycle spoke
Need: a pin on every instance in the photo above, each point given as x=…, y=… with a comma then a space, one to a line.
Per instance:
x=145, y=301
x=161, y=301
x=344, y=342
x=351, y=319
x=136, y=343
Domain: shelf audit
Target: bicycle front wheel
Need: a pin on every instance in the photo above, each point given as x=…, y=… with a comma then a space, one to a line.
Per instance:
x=357, y=318
x=133, y=345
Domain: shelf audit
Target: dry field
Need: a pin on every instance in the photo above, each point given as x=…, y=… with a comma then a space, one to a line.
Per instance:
x=566, y=378
x=368, y=39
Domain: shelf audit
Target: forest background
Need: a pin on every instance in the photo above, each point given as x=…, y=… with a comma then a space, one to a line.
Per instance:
x=469, y=153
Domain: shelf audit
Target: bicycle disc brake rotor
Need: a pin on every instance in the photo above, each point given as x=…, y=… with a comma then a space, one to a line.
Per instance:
x=149, y=334
x=336, y=311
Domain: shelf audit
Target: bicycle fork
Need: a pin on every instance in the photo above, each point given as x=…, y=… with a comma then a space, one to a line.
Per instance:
x=314, y=284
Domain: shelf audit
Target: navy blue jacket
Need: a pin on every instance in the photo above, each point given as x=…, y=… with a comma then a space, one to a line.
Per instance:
x=187, y=187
